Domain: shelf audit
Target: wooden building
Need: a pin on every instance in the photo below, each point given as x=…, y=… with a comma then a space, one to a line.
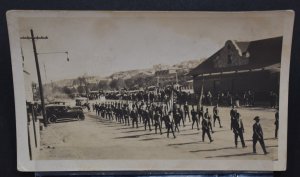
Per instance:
x=241, y=66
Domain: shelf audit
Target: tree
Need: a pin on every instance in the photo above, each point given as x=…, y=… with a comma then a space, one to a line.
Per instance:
x=117, y=84
x=103, y=84
x=67, y=91
x=83, y=85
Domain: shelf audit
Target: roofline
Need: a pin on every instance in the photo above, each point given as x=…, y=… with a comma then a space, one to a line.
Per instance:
x=232, y=72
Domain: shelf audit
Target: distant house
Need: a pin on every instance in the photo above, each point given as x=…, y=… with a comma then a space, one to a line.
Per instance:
x=166, y=76
x=241, y=66
x=188, y=86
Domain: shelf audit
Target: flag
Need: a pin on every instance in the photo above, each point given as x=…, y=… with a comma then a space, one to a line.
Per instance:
x=201, y=94
x=171, y=102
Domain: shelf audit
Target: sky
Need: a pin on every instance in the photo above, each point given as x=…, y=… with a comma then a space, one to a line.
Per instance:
x=107, y=42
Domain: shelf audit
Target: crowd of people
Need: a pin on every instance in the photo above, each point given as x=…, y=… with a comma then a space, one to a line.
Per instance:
x=158, y=116
x=223, y=98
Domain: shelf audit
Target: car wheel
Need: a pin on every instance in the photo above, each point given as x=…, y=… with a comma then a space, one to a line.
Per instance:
x=52, y=119
x=82, y=117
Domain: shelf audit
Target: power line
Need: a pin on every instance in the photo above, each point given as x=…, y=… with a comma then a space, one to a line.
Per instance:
x=33, y=38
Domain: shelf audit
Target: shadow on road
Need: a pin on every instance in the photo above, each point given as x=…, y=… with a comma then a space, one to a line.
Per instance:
x=264, y=139
x=148, y=139
x=190, y=134
x=133, y=136
x=234, y=155
x=179, y=144
x=216, y=149
x=224, y=130
x=124, y=128
x=132, y=131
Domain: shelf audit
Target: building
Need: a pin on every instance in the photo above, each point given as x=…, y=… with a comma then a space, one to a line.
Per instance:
x=166, y=76
x=241, y=66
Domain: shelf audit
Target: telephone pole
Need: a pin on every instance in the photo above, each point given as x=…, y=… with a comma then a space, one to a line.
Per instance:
x=33, y=38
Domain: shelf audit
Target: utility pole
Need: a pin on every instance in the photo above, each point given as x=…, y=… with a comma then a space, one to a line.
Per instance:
x=33, y=38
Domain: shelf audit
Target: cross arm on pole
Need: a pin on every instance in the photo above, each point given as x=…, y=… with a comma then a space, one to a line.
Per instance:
x=36, y=37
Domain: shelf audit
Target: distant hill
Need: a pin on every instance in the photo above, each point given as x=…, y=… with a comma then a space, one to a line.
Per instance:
x=131, y=74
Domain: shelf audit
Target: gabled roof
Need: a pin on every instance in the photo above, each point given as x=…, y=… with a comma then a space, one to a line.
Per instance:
x=262, y=53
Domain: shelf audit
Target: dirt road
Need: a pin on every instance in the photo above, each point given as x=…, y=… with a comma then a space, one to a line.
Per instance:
x=96, y=138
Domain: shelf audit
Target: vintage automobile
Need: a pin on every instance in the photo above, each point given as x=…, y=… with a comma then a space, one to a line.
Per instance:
x=55, y=112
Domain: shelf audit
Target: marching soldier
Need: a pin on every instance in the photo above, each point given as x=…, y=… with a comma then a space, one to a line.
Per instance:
x=232, y=115
x=258, y=135
x=108, y=112
x=207, y=116
x=176, y=117
x=126, y=114
x=238, y=130
x=134, y=116
x=194, y=118
x=200, y=112
x=157, y=122
x=151, y=113
x=140, y=112
x=186, y=111
x=205, y=129
x=146, y=118
x=276, y=122
x=216, y=115
x=102, y=110
x=169, y=124
x=97, y=109
x=180, y=112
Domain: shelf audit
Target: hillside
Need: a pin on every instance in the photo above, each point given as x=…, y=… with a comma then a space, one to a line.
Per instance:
x=130, y=76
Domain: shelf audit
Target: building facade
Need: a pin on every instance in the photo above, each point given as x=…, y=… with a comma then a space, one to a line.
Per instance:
x=241, y=66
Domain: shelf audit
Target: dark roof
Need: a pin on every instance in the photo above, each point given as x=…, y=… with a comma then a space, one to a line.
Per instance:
x=263, y=53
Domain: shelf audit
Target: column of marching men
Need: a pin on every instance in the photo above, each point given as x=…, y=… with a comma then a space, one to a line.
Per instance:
x=160, y=115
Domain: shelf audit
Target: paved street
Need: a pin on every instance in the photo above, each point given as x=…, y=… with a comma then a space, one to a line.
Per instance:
x=96, y=138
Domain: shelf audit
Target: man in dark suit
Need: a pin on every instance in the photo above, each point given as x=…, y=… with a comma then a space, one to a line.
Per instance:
x=238, y=130
x=205, y=129
x=134, y=116
x=258, y=135
x=216, y=115
x=169, y=124
x=232, y=115
x=186, y=112
x=146, y=118
x=194, y=118
x=157, y=121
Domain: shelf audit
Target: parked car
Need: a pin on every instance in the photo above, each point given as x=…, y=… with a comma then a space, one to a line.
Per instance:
x=55, y=112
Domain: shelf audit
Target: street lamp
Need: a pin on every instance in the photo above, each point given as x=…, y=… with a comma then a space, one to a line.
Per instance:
x=59, y=52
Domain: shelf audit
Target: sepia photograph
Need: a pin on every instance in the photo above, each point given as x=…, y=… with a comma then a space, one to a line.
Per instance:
x=132, y=90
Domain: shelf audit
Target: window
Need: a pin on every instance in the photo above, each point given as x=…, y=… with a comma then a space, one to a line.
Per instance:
x=229, y=59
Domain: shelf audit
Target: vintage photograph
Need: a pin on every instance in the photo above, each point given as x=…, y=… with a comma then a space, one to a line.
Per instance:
x=144, y=89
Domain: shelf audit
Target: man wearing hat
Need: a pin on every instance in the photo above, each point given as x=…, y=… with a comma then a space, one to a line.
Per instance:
x=216, y=115
x=146, y=118
x=232, y=115
x=157, y=121
x=186, y=112
x=206, y=127
x=169, y=123
x=258, y=135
